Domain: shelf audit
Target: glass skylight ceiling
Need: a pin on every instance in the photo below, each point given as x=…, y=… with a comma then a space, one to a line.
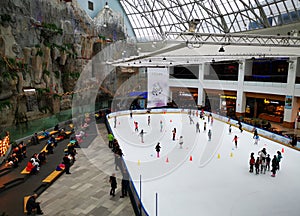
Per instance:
x=152, y=19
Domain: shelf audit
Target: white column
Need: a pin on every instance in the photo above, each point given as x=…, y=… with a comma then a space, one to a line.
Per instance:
x=240, y=95
x=290, y=114
x=201, y=95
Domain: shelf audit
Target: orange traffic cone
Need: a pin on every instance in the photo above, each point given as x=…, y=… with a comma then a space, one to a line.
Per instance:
x=191, y=158
x=282, y=150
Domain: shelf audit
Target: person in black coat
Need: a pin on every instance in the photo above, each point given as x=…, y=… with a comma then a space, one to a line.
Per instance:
x=274, y=166
x=125, y=184
x=32, y=204
x=67, y=163
x=113, y=184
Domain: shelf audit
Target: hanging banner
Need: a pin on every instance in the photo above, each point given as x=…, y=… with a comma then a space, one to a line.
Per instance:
x=158, y=87
x=288, y=101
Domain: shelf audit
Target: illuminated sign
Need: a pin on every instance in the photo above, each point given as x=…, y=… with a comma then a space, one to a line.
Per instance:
x=228, y=97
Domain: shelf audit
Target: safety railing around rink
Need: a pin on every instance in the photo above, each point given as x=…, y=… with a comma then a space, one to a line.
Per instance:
x=267, y=134
x=136, y=202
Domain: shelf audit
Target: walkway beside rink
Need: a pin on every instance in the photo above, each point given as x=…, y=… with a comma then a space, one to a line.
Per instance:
x=86, y=190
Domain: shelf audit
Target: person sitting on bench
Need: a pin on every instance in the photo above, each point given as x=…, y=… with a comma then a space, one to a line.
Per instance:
x=32, y=205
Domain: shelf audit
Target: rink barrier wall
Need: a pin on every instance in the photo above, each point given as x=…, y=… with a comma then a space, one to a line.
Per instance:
x=137, y=205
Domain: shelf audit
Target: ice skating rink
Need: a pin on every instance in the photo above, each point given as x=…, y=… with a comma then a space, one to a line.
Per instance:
x=207, y=178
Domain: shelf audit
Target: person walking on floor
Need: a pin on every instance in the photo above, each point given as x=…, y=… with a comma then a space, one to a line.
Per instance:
x=115, y=121
x=32, y=204
x=113, y=184
x=110, y=140
x=235, y=139
x=67, y=163
x=124, y=184
x=157, y=148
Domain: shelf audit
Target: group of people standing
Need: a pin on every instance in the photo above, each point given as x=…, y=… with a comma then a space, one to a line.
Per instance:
x=264, y=163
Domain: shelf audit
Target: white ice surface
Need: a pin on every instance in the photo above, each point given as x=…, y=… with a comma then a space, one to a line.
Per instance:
x=207, y=185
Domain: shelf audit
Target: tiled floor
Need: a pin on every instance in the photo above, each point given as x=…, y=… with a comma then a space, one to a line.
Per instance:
x=86, y=190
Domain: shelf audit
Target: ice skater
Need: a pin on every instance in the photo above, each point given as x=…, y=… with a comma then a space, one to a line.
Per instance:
x=263, y=166
x=148, y=120
x=229, y=129
x=255, y=133
x=268, y=160
x=157, y=148
x=204, y=127
x=209, y=135
x=279, y=157
x=240, y=126
x=142, y=135
x=211, y=120
x=174, y=134
x=130, y=114
x=197, y=127
x=191, y=120
x=161, y=125
x=181, y=141
x=256, y=139
x=115, y=121
x=136, y=126
x=235, y=139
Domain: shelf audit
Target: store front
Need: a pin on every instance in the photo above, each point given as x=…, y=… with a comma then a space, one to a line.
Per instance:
x=184, y=97
x=221, y=102
x=265, y=107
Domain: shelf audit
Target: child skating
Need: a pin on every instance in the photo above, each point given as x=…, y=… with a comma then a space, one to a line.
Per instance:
x=136, y=126
x=157, y=148
x=181, y=141
x=235, y=139
x=209, y=135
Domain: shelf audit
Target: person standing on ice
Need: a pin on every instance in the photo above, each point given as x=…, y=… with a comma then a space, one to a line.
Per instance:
x=274, y=166
x=161, y=125
x=130, y=114
x=197, y=127
x=235, y=139
x=148, y=120
x=136, y=126
x=268, y=160
x=279, y=156
x=142, y=135
x=181, y=141
x=204, y=127
x=115, y=121
x=174, y=134
x=263, y=166
x=240, y=126
x=211, y=120
x=257, y=163
x=251, y=162
x=209, y=135
x=229, y=129
x=255, y=133
x=157, y=148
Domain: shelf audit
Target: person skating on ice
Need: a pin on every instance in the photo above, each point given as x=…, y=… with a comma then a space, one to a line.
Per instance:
x=197, y=127
x=235, y=139
x=211, y=120
x=161, y=125
x=256, y=139
x=204, y=127
x=209, y=135
x=255, y=133
x=115, y=121
x=191, y=120
x=149, y=120
x=181, y=141
x=240, y=126
x=157, y=148
x=229, y=129
x=263, y=166
x=174, y=134
x=279, y=157
x=136, y=126
x=142, y=135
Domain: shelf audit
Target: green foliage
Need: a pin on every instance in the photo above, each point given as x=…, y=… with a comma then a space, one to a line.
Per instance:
x=56, y=74
x=5, y=18
x=9, y=75
x=5, y=104
x=46, y=72
x=52, y=27
x=39, y=53
x=41, y=91
x=75, y=75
